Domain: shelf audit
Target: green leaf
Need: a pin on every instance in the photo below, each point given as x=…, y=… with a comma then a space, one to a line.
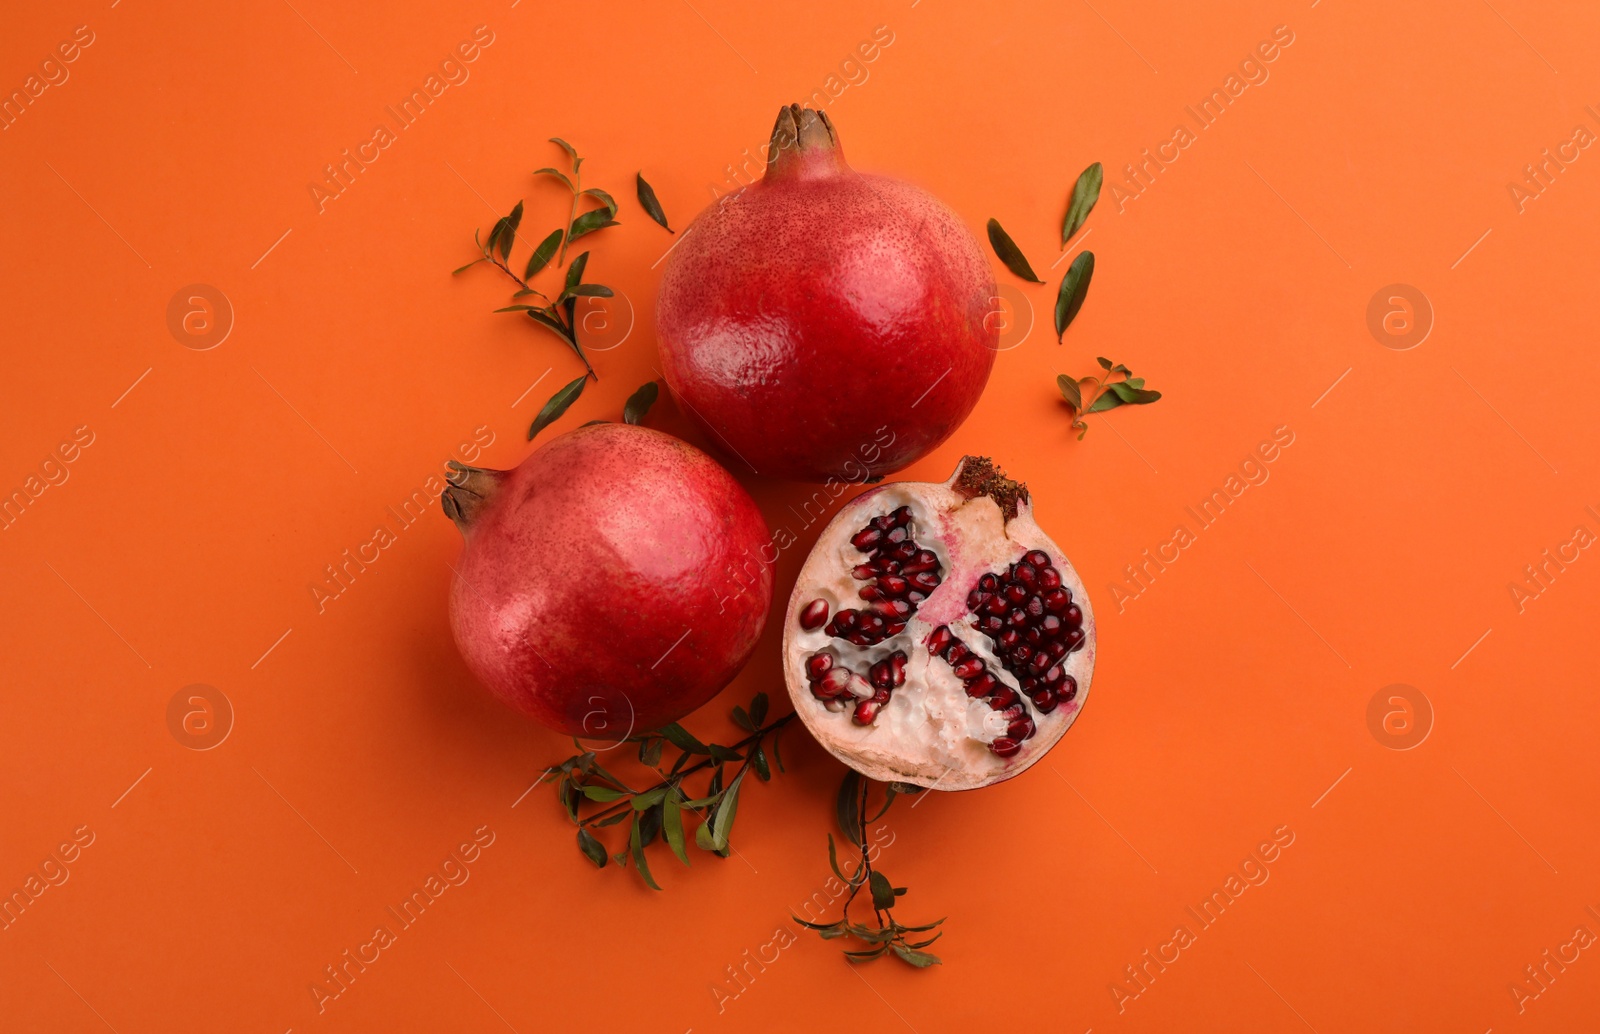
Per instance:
x=592, y=849
x=545, y=318
x=589, y=222
x=558, y=174
x=1070, y=391
x=636, y=845
x=572, y=152
x=1132, y=395
x=1074, y=288
x=921, y=929
x=1085, y=193
x=1107, y=401
x=889, y=794
x=556, y=406
x=722, y=825
x=1009, y=253
x=777, y=755
x=758, y=708
x=862, y=956
x=496, y=235
x=649, y=799
x=680, y=737
x=702, y=837
x=650, y=825
x=651, y=206
x=759, y=760
x=919, y=959
x=639, y=404
x=742, y=720
x=513, y=221
x=518, y=308
x=602, y=197
x=924, y=944
x=833, y=860
x=575, y=270
x=882, y=891
x=469, y=265
x=586, y=291
x=611, y=820
x=603, y=793
x=672, y=826
x=877, y=936
x=1103, y=361
x=818, y=926
x=650, y=751
x=542, y=254
x=848, y=806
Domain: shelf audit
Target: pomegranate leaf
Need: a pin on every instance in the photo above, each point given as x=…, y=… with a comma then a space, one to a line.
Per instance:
x=557, y=405
x=740, y=718
x=1107, y=401
x=469, y=265
x=586, y=291
x=636, y=845
x=833, y=860
x=650, y=825
x=758, y=758
x=672, y=826
x=1070, y=391
x=702, y=837
x=610, y=820
x=882, y=890
x=542, y=254
x=1009, y=253
x=721, y=754
x=1085, y=193
x=633, y=412
x=849, y=808
x=650, y=750
x=572, y=152
x=648, y=201
x=592, y=849
x=602, y=197
x=602, y=793
x=575, y=271
x=722, y=825
x=1131, y=394
x=862, y=956
x=649, y=799
x=544, y=318
x=589, y=222
x=919, y=959
x=1074, y=289
x=558, y=175
x=680, y=737
x=758, y=703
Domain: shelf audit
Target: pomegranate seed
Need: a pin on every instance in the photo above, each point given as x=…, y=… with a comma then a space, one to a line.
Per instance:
x=902, y=515
x=892, y=585
x=1073, y=638
x=869, y=622
x=997, y=605
x=1021, y=729
x=1035, y=607
x=1044, y=703
x=992, y=624
x=1003, y=698
x=1053, y=675
x=1038, y=558
x=925, y=560
x=1005, y=747
x=863, y=572
x=818, y=692
x=1073, y=616
x=859, y=639
x=976, y=598
x=1021, y=654
x=843, y=621
x=969, y=668
x=1056, y=650
x=1056, y=600
x=1067, y=690
x=866, y=712
x=1016, y=593
x=1040, y=662
x=1050, y=626
x=983, y=685
x=880, y=696
x=897, y=609
x=902, y=552
x=914, y=597
x=897, y=668
x=1008, y=639
x=858, y=687
x=1033, y=637
x=866, y=538
x=1017, y=618
x=835, y=705
x=894, y=628
x=927, y=581
x=815, y=615
x=883, y=523
x=1025, y=574
x=989, y=583
x=834, y=681
x=817, y=665
x=1049, y=578
x=1012, y=713
x=956, y=652
x=879, y=675
x=895, y=536
x=938, y=639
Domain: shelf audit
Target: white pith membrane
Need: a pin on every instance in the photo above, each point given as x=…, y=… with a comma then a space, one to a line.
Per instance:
x=930, y=731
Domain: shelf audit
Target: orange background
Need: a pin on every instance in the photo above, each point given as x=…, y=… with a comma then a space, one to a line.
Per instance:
x=1232, y=693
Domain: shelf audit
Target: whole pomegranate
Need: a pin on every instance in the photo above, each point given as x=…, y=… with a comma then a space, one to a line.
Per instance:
x=823, y=323
x=612, y=582
x=936, y=635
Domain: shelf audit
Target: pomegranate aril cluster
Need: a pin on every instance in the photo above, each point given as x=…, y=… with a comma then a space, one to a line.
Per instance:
x=1029, y=616
x=981, y=684
x=838, y=687
x=899, y=574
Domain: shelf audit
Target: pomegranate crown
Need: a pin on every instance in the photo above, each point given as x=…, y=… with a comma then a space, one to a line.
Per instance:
x=978, y=476
x=804, y=143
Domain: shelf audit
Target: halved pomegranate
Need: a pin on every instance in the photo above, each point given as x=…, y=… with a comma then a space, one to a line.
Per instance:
x=936, y=635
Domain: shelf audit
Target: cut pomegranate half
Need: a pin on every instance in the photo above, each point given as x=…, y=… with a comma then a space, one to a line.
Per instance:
x=936, y=635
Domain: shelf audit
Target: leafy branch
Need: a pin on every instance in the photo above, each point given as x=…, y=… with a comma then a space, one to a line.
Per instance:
x=658, y=811
x=556, y=315
x=889, y=934
x=1103, y=393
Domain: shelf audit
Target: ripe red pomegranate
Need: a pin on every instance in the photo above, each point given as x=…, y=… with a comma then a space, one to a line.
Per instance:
x=823, y=323
x=936, y=635
x=612, y=582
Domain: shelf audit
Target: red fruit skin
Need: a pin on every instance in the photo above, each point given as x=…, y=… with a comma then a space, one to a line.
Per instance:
x=822, y=323
x=588, y=565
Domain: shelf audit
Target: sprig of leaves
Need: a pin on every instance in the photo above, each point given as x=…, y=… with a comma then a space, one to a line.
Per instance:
x=633, y=411
x=556, y=315
x=1102, y=393
x=889, y=935
x=668, y=809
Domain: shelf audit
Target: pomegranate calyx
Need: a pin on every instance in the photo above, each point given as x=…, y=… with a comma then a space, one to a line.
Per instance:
x=470, y=490
x=804, y=145
x=979, y=476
